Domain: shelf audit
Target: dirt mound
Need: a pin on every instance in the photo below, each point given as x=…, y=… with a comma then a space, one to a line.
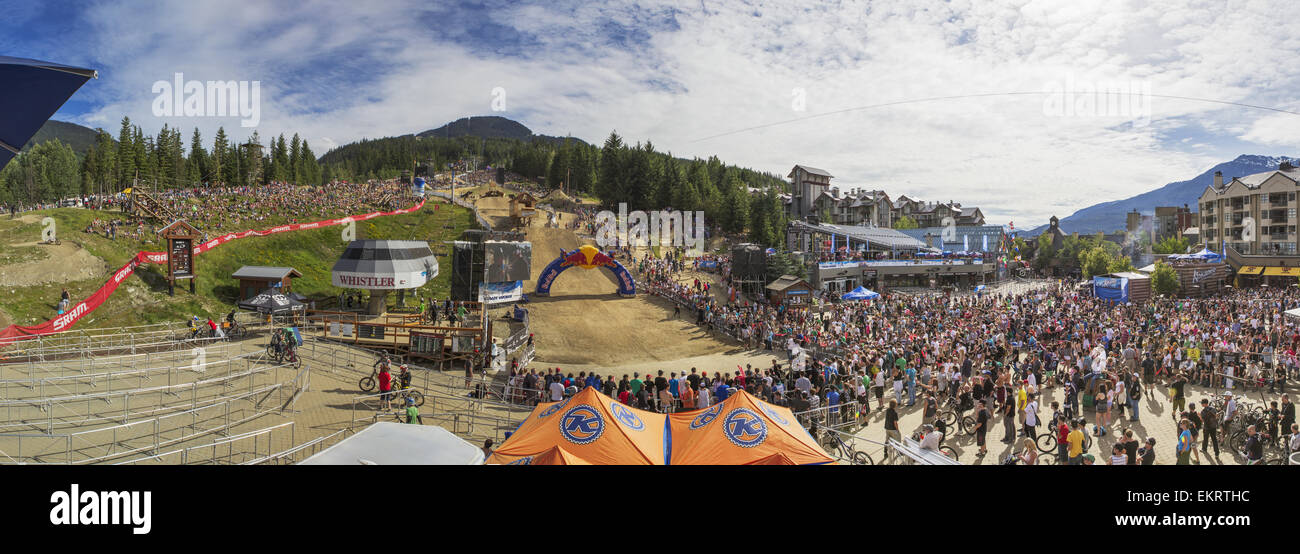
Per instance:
x=65, y=263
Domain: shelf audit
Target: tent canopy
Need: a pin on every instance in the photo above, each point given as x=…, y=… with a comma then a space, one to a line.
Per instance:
x=1205, y=255
x=591, y=426
x=391, y=443
x=1292, y=314
x=741, y=430
x=30, y=92
x=553, y=456
x=860, y=293
x=272, y=302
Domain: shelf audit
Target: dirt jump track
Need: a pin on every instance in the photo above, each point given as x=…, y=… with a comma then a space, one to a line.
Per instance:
x=584, y=324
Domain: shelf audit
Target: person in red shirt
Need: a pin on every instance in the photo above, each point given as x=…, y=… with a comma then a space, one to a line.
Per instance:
x=625, y=397
x=385, y=386
x=1062, y=441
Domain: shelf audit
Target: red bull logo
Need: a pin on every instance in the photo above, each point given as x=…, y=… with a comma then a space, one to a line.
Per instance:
x=588, y=257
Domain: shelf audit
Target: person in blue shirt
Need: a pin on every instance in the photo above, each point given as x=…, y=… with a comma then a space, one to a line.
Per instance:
x=672, y=385
x=910, y=372
x=723, y=393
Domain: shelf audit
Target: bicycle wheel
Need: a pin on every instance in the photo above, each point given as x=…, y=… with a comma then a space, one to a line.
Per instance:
x=949, y=419
x=1046, y=442
x=948, y=451
x=861, y=458
x=968, y=425
x=367, y=384
x=417, y=396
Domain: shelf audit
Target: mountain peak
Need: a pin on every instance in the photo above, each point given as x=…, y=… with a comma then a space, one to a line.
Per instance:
x=1110, y=216
x=489, y=126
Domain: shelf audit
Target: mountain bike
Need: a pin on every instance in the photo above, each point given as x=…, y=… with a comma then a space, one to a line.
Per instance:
x=367, y=383
x=832, y=442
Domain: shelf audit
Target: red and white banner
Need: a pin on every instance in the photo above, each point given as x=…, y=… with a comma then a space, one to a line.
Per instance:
x=64, y=322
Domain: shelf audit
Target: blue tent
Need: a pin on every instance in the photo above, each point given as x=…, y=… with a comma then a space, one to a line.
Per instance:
x=860, y=293
x=30, y=92
x=1204, y=255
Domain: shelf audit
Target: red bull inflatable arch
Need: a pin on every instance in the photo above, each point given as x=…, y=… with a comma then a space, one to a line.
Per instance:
x=585, y=257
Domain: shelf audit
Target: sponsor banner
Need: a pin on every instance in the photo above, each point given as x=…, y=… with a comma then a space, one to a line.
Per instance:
x=1202, y=274
x=708, y=264
x=498, y=293
x=79, y=310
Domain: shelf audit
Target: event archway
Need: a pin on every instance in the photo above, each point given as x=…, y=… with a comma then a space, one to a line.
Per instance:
x=585, y=257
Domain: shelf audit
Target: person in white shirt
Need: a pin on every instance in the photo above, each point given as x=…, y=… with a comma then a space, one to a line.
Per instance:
x=557, y=391
x=702, y=398
x=931, y=438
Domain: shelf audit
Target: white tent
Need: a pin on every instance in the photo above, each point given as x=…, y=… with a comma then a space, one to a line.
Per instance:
x=1292, y=314
x=391, y=443
x=1148, y=269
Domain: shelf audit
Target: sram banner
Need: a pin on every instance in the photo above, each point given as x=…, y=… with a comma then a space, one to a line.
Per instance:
x=81, y=309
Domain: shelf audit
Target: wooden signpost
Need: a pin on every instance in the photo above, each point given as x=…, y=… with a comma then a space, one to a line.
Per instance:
x=180, y=237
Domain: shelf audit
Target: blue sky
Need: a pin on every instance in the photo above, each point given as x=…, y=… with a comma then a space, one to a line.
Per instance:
x=741, y=80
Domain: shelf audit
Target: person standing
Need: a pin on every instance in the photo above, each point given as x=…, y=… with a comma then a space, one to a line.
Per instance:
x=1031, y=417
x=1178, y=386
x=1184, y=445
x=981, y=427
x=1288, y=412
x=1210, y=432
x=891, y=424
x=1075, y=440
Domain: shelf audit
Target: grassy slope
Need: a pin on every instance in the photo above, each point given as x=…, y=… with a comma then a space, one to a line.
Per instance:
x=143, y=298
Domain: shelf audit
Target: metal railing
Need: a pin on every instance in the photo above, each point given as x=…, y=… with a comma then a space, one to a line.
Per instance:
x=249, y=444
x=304, y=450
x=117, y=406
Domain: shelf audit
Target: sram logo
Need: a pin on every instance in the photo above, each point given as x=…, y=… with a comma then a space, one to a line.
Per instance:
x=76, y=507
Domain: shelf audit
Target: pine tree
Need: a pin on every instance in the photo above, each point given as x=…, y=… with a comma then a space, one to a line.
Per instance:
x=125, y=154
x=218, y=158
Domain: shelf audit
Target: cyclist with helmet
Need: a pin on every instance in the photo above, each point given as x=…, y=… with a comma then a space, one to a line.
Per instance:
x=404, y=378
x=413, y=413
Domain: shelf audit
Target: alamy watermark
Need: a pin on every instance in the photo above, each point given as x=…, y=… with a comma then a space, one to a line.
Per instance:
x=655, y=228
x=78, y=507
x=1070, y=98
x=193, y=98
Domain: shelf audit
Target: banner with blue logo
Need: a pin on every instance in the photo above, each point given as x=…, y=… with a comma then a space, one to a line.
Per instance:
x=500, y=293
x=1110, y=288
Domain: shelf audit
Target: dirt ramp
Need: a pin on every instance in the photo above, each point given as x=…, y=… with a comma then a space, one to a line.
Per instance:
x=584, y=321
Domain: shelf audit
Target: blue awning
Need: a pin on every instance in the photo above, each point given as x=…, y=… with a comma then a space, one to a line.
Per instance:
x=860, y=293
x=30, y=92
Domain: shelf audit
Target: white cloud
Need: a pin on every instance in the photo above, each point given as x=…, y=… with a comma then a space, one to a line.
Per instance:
x=723, y=69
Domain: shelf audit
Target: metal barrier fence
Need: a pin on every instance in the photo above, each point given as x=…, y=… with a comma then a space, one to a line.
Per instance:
x=840, y=416
x=848, y=444
x=71, y=376
x=118, y=340
x=148, y=435
x=193, y=454
x=304, y=450
x=65, y=411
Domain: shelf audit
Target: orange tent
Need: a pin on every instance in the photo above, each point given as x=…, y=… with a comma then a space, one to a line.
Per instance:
x=553, y=456
x=741, y=430
x=593, y=427
x=777, y=459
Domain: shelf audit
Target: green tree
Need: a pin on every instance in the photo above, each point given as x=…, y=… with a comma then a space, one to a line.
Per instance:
x=905, y=222
x=1164, y=280
x=1171, y=245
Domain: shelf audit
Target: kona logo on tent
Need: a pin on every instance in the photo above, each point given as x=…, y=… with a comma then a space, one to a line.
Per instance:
x=625, y=416
x=774, y=415
x=554, y=408
x=582, y=424
x=706, y=417
x=744, y=428
x=526, y=460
